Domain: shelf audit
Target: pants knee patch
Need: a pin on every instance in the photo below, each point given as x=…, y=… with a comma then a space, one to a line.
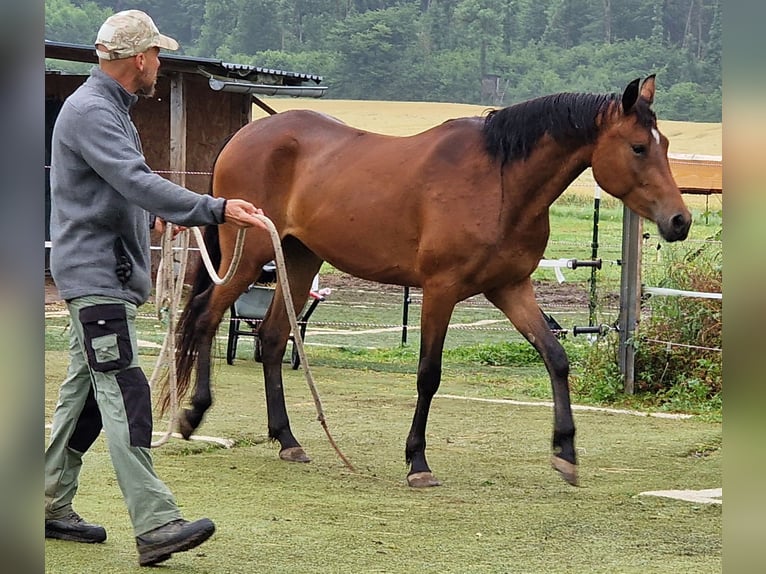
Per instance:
x=107, y=337
x=88, y=425
x=136, y=396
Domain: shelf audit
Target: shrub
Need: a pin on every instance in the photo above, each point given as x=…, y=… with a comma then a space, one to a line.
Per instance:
x=673, y=359
x=596, y=376
x=677, y=364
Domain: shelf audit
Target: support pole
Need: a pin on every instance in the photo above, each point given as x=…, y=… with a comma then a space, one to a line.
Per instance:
x=405, y=313
x=593, y=302
x=630, y=295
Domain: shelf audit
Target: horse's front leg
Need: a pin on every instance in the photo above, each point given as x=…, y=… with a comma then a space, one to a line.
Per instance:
x=435, y=316
x=520, y=306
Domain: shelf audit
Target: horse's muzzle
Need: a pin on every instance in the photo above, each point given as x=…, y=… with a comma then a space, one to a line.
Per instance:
x=676, y=228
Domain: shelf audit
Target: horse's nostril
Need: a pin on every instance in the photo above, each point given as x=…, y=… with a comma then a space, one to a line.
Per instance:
x=679, y=222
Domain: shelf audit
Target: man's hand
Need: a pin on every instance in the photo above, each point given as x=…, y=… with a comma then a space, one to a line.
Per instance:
x=159, y=225
x=123, y=268
x=242, y=214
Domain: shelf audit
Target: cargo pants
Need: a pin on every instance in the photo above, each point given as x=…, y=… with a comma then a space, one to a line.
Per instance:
x=106, y=388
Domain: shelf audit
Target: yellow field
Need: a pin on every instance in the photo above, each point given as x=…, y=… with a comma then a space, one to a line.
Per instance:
x=407, y=118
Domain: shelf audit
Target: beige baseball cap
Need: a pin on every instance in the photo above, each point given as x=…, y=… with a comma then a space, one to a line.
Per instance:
x=128, y=33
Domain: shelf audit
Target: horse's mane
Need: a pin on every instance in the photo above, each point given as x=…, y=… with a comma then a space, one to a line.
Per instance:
x=511, y=133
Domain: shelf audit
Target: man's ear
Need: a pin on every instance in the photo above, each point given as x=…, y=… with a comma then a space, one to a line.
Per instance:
x=140, y=61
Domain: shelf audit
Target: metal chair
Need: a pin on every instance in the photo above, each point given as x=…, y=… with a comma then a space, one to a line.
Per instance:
x=249, y=309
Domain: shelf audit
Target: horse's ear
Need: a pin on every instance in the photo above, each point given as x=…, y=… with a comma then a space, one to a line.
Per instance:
x=647, y=89
x=630, y=95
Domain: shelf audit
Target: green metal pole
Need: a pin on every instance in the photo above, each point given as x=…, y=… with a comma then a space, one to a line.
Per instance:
x=593, y=303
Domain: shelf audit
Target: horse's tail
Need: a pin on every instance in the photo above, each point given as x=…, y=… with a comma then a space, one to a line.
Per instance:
x=188, y=333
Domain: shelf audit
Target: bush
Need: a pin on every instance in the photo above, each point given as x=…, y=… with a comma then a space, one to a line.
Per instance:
x=673, y=356
x=596, y=377
x=677, y=366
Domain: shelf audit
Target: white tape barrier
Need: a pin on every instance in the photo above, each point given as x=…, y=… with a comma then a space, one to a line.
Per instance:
x=556, y=264
x=681, y=293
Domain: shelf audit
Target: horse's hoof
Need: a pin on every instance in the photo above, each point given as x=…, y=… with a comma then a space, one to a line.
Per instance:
x=294, y=454
x=184, y=426
x=422, y=480
x=567, y=470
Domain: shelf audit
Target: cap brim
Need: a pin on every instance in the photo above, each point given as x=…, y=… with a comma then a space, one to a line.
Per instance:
x=166, y=43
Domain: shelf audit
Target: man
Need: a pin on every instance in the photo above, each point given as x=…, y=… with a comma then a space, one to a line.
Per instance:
x=102, y=194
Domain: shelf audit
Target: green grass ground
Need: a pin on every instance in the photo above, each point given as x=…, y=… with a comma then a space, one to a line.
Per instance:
x=501, y=507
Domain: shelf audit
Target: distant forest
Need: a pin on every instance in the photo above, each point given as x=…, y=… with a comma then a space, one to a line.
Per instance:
x=494, y=52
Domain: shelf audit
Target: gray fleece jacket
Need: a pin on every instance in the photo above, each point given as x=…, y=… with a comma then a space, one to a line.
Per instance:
x=102, y=193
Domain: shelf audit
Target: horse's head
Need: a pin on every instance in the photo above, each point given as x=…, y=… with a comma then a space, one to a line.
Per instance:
x=630, y=162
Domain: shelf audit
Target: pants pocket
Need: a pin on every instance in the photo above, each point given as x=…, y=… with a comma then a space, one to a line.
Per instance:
x=137, y=398
x=107, y=337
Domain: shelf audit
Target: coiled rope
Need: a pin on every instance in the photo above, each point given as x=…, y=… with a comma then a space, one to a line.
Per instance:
x=169, y=290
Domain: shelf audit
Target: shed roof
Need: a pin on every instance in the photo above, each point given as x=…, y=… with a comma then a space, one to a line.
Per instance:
x=221, y=75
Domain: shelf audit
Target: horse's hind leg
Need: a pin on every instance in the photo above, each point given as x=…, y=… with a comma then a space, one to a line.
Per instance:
x=221, y=298
x=519, y=305
x=302, y=266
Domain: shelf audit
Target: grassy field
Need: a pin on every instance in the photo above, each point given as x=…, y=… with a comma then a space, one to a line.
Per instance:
x=500, y=508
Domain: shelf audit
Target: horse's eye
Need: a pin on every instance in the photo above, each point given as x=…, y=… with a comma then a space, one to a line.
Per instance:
x=639, y=149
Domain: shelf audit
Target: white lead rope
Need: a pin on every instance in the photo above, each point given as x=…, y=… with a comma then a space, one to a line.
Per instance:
x=170, y=282
x=238, y=247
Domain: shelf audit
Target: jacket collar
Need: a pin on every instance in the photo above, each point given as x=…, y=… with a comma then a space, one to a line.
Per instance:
x=112, y=88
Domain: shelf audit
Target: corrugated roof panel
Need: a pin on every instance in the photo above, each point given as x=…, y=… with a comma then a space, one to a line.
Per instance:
x=177, y=62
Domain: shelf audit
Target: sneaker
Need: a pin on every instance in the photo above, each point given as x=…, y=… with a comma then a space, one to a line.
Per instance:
x=177, y=536
x=73, y=527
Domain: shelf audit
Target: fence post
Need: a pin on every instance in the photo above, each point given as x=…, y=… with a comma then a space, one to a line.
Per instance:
x=630, y=295
x=593, y=302
x=405, y=313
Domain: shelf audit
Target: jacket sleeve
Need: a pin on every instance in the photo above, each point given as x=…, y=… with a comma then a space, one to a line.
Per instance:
x=107, y=147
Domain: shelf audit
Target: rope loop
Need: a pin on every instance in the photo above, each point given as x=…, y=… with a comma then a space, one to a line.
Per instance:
x=169, y=290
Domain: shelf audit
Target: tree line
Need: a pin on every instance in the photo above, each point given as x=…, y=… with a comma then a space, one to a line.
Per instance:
x=494, y=52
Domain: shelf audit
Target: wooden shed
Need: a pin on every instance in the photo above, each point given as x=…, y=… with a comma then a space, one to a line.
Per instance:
x=198, y=103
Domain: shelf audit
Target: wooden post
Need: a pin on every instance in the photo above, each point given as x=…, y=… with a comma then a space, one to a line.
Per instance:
x=630, y=295
x=178, y=175
x=177, y=130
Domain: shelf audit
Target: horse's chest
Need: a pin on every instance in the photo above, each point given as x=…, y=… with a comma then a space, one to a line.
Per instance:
x=527, y=234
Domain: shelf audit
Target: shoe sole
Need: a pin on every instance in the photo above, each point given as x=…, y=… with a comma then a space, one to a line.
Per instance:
x=149, y=557
x=55, y=534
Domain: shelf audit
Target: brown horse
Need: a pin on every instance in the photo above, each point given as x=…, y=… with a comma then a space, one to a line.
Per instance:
x=457, y=210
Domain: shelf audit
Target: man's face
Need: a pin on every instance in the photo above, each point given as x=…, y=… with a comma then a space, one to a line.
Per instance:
x=148, y=75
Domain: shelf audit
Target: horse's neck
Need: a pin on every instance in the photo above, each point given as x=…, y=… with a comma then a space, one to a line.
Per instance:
x=538, y=181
